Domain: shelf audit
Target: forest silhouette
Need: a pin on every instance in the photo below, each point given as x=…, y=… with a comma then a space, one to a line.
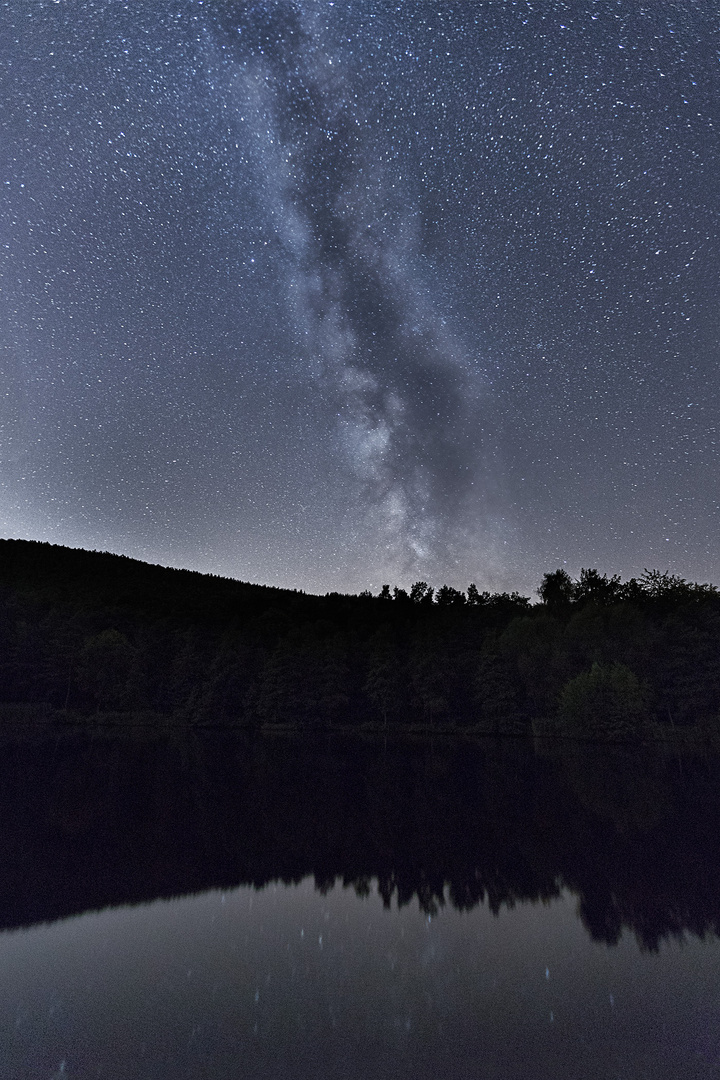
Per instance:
x=90, y=637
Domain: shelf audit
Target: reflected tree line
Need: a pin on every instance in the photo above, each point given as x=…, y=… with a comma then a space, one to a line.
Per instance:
x=634, y=833
x=86, y=634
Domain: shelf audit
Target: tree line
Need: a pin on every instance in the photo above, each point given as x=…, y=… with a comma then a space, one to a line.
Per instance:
x=86, y=634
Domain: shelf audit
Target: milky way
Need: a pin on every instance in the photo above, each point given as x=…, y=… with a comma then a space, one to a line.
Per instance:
x=330, y=294
x=372, y=337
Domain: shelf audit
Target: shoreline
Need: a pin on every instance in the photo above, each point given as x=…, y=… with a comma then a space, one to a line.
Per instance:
x=27, y=718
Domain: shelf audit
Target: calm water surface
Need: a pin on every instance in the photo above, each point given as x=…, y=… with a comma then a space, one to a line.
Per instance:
x=498, y=911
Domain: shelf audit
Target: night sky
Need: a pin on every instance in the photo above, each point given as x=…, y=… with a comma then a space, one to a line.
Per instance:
x=324, y=295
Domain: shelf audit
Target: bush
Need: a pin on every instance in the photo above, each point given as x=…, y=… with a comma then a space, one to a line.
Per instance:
x=606, y=702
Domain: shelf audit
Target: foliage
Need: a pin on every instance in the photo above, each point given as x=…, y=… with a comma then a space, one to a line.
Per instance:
x=556, y=588
x=88, y=633
x=606, y=702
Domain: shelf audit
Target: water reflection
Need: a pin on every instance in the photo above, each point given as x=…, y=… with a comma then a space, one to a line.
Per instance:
x=634, y=835
x=361, y=910
x=287, y=982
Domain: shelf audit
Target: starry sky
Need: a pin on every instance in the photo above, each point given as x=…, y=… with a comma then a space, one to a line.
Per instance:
x=323, y=295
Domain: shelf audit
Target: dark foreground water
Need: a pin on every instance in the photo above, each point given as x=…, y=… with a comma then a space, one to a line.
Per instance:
x=226, y=908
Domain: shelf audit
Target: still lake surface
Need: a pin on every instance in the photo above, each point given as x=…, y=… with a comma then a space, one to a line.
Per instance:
x=219, y=906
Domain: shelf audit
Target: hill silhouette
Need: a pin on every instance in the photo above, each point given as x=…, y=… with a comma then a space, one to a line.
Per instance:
x=89, y=636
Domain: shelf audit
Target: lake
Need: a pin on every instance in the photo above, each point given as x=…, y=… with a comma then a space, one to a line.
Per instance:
x=226, y=906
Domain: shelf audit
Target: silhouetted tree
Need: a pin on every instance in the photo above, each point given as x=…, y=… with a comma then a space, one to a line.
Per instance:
x=594, y=587
x=556, y=589
x=446, y=596
x=385, y=685
x=421, y=593
x=429, y=679
x=498, y=692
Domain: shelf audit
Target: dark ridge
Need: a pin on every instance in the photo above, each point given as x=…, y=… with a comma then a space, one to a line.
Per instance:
x=88, y=634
